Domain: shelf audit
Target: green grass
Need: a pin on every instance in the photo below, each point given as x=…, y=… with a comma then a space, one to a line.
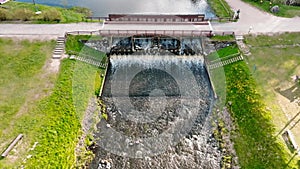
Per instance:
x=255, y=143
x=221, y=8
x=223, y=38
x=284, y=10
x=276, y=59
x=217, y=75
x=227, y=51
x=26, y=12
x=63, y=110
x=269, y=41
x=23, y=81
x=75, y=47
x=224, y=52
x=45, y=114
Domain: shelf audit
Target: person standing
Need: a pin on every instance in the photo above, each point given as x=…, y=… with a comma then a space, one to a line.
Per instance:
x=250, y=29
x=238, y=14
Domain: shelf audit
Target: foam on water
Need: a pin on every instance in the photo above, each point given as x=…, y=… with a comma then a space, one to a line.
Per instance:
x=148, y=61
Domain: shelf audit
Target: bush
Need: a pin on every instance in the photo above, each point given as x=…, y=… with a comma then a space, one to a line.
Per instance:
x=23, y=14
x=3, y=15
x=52, y=15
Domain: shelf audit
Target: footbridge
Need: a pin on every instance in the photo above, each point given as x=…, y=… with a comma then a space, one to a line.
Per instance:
x=122, y=25
x=128, y=34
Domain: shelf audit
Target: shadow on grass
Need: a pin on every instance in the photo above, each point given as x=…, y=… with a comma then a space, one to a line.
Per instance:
x=291, y=93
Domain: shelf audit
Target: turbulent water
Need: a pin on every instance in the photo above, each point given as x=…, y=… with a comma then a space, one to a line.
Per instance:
x=158, y=114
x=104, y=7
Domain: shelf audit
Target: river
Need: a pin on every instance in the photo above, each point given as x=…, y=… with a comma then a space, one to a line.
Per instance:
x=104, y=7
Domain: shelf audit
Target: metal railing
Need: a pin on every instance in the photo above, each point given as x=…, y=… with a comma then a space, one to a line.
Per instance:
x=177, y=33
x=99, y=18
x=225, y=58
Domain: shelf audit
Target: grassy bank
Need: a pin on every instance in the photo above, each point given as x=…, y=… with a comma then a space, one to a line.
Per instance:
x=228, y=51
x=74, y=46
x=58, y=136
x=221, y=38
x=46, y=108
x=221, y=8
x=20, y=11
x=273, y=61
x=284, y=10
x=65, y=109
x=255, y=141
x=24, y=79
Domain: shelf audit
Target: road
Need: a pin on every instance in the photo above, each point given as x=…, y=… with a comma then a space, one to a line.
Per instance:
x=259, y=21
x=44, y=31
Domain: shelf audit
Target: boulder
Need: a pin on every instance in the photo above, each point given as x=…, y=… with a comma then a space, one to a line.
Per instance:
x=275, y=9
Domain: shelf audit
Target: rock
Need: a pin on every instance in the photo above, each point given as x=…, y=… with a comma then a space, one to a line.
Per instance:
x=104, y=164
x=275, y=9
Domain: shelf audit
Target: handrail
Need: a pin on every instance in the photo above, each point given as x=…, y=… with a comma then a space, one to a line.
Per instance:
x=151, y=32
x=221, y=19
x=226, y=57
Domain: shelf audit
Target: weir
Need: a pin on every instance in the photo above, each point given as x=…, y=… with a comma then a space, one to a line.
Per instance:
x=148, y=44
x=158, y=98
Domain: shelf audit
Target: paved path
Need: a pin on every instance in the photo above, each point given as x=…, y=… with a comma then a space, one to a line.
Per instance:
x=260, y=21
x=44, y=31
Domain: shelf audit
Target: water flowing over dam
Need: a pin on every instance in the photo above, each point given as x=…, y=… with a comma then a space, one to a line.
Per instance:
x=158, y=107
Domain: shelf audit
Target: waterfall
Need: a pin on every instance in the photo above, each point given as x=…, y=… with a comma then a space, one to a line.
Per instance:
x=158, y=108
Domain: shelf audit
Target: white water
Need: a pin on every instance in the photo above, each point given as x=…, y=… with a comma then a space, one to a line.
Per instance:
x=148, y=61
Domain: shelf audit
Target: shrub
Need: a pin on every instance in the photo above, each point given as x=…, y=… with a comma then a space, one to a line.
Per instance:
x=23, y=14
x=52, y=15
x=3, y=15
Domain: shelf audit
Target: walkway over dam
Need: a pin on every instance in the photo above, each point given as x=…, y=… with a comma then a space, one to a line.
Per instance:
x=193, y=25
x=140, y=34
x=197, y=19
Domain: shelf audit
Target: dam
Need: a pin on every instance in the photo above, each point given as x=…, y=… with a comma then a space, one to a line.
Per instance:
x=158, y=101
